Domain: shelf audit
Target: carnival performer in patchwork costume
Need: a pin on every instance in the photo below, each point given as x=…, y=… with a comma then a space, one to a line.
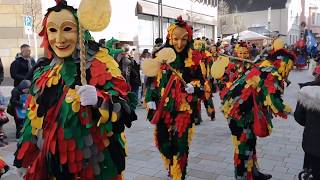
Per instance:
x=250, y=102
x=172, y=96
x=228, y=69
x=79, y=103
x=209, y=87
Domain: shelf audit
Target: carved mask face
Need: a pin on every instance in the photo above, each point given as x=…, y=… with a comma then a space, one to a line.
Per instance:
x=198, y=44
x=243, y=52
x=62, y=30
x=179, y=38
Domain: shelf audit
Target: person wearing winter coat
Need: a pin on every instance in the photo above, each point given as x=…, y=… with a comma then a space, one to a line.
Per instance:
x=18, y=102
x=307, y=114
x=23, y=63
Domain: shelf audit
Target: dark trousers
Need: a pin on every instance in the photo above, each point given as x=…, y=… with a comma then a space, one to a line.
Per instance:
x=19, y=125
x=312, y=162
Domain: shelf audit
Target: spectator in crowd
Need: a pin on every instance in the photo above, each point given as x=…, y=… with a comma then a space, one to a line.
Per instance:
x=158, y=43
x=144, y=56
x=254, y=51
x=130, y=69
x=124, y=61
x=233, y=40
x=1, y=71
x=135, y=79
x=18, y=104
x=21, y=65
x=219, y=43
x=307, y=114
x=3, y=119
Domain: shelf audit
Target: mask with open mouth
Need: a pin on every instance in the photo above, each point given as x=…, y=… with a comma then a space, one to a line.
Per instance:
x=62, y=31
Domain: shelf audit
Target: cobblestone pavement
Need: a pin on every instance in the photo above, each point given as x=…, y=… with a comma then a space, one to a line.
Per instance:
x=211, y=152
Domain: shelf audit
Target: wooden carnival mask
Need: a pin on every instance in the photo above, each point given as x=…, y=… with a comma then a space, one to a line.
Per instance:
x=243, y=52
x=198, y=45
x=179, y=38
x=62, y=30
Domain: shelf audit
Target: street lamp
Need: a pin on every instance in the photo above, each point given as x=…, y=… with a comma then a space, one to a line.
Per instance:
x=160, y=19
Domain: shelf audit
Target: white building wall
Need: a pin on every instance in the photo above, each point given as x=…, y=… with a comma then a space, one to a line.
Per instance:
x=257, y=18
x=126, y=26
x=294, y=8
x=123, y=23
x=286, y=21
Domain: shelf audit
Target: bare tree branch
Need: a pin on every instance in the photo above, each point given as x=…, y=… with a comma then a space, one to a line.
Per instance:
x=33, y=8
x=223, y=10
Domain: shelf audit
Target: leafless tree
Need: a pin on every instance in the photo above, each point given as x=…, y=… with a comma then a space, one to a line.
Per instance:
x=223, y=10
x=33, y=8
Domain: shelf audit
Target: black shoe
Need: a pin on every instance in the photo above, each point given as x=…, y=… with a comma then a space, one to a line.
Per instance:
x=17, y=135
x=262, y=176
x=213, y=116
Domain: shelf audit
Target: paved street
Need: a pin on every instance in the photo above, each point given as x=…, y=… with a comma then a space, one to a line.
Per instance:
x=211, y=152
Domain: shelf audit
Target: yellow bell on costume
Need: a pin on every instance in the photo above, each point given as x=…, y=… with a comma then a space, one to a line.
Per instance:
x=150, y=67
x=166, y=55
x=94, y=15
x=218, y=67
x=278, y=44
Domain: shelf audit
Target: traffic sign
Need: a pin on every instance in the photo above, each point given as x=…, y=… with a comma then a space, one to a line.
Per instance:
x=27, y=23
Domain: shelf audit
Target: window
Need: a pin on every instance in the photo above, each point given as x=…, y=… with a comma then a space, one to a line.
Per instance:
x=145, y=31
x=313, y=18
x=318, y=19
x=209, y=31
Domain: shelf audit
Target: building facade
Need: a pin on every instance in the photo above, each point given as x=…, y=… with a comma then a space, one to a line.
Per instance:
x=136, y=21
x=281, y=16
x=12, y=33
x=310, y=18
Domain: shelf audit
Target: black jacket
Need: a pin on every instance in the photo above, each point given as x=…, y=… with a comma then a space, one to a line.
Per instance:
x=43, y=61
x=19, y=69
x=307, y=114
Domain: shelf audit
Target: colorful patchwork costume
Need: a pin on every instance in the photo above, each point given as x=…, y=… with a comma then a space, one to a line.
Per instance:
x=250, y=102
x=66, y=134
x=3, y=167
x=209, y=87
x=176, y=104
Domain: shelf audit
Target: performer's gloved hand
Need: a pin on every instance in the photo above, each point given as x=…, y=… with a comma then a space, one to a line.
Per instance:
x=189, y=88
x=88, y=95
x=151, y=105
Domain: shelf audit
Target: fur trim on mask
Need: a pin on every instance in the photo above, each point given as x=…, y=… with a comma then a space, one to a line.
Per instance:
x=309, y=97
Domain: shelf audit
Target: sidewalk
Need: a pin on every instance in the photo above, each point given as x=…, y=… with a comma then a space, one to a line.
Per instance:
x=211, y=152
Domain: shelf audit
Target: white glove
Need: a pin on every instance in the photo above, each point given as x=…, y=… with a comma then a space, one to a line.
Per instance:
x=152, y=105
x=189, y=88
x=88, y=95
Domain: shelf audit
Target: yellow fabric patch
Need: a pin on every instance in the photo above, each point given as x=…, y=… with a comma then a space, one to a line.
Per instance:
x=104, y=116
x=113, y=67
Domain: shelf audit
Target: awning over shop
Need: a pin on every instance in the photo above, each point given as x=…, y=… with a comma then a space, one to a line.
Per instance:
x=150, y=8
x=246, y=36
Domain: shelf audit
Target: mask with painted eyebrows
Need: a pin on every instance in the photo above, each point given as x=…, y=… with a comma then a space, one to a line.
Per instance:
x=62, y=31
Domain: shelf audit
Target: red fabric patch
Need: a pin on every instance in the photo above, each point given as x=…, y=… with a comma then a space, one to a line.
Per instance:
x=121, y=86
x=253, y=72
x=182, y=123
x=269, y=83
x=99, y=74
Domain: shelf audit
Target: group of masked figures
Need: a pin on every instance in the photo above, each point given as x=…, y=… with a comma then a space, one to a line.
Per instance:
x=80, y=104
